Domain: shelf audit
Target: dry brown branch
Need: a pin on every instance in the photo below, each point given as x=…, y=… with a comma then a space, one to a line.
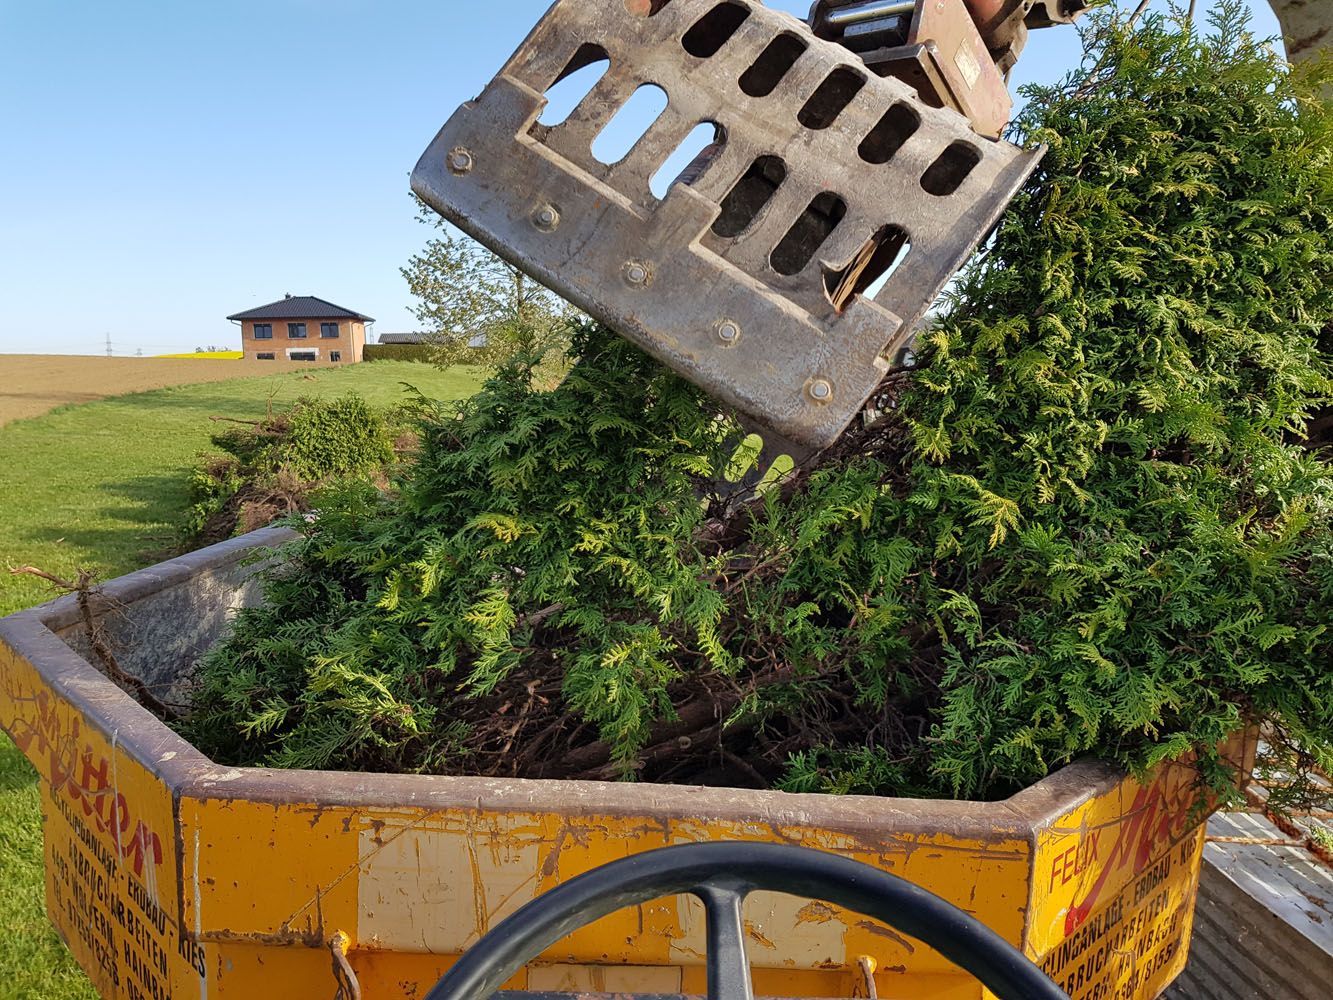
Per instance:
x=236, y=420
x=49, y=577
x=513, y=730
x=97, y=639
x=1138, y=12
x=539, y=616
x=698, y=723
x=741, y=764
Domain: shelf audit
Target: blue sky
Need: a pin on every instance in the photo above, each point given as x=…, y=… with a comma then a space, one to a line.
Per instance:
x=164, y=164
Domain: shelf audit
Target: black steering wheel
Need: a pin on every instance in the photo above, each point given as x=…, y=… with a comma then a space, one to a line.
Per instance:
x=722, y=875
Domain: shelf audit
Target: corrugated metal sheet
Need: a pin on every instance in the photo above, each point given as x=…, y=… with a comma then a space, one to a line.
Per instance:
x=1263, y=928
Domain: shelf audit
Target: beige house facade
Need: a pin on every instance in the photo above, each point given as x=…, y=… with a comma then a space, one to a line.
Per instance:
x=303, y=328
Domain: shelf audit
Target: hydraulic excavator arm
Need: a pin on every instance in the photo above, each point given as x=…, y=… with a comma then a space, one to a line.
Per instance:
x=954, y=53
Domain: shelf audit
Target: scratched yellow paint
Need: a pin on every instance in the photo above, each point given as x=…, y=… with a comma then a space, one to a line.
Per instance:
x=110, y=856
x=268, y=870
x=428, y=883
x=639, y=935
x=247, y=889
x=1113, y=887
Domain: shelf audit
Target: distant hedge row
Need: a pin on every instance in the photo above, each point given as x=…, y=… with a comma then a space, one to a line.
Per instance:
x=397, y=352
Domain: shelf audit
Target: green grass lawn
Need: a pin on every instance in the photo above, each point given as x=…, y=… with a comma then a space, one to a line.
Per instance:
x=101, y=486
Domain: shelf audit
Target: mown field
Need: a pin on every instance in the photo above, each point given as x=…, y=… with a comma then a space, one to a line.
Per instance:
x=101, y=485
x=32, y=384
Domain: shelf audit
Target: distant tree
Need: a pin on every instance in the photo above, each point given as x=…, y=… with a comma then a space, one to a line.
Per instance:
x=477, y=309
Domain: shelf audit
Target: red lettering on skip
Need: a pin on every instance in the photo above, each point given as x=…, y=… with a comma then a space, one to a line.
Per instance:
x=1158, y=817
x=86, y=779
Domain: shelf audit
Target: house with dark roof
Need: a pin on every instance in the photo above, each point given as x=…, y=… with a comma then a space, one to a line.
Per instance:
x=302, y=328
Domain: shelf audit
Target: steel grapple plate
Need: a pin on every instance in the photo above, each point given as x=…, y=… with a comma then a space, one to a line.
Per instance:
x=748, y=276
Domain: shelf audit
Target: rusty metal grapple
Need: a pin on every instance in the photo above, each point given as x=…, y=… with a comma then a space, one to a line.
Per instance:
x=792, y=256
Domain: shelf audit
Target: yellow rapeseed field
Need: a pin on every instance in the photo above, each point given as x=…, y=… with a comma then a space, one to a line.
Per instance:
x=226, y=355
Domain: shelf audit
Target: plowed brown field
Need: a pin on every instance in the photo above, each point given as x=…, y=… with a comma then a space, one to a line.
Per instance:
x=31, y=384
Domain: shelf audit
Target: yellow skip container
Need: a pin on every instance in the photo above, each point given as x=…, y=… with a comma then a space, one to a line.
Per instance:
x=173, y=877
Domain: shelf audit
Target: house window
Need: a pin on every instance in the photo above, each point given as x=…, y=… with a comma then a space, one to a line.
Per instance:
x=302, y=355
x=335, y=355
x=265, y=356
x=328, y=331
x=296, y=331
x=263, y=331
